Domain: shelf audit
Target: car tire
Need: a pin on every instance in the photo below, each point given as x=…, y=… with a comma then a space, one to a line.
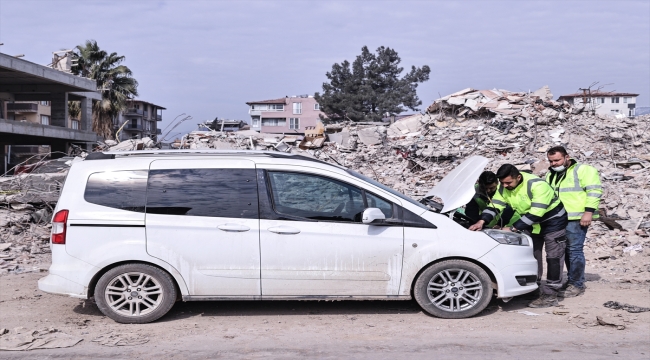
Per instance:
x=135, y=293
x=453, y=289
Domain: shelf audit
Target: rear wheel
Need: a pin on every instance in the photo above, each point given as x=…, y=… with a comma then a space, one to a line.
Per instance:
x=135, y=293
x=453, y=289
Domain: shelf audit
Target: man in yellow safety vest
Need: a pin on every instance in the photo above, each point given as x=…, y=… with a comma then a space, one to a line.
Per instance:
x=543, y=215
x=579, y=188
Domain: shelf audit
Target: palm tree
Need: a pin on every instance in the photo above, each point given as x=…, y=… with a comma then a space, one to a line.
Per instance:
x=114, y=81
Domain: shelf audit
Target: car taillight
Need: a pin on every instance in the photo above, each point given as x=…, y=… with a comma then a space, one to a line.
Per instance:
x=59, y=224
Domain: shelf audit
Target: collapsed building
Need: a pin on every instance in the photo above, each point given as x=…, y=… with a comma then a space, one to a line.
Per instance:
x=412, y=154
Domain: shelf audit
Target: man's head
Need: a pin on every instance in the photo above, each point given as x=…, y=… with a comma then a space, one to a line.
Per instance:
x=509, y=176
x=488, y=183
x=558, y=158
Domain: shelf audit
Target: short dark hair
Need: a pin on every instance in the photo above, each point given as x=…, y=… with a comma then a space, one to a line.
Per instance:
x=508, y=170
x=487, y=177
x=557, y=149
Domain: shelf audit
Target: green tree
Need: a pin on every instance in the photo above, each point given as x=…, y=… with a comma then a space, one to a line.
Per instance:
x=114, y=81
x=370, y=87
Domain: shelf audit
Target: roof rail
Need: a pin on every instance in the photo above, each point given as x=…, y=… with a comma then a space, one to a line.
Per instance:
x=179, y=152
x=194, y=151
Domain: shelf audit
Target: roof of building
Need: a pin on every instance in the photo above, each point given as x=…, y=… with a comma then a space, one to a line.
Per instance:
x=21, y=76
x=598, y=94
x=275, y=101
x=149, y=103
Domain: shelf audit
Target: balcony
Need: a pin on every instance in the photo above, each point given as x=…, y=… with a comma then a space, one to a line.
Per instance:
x=22, y=107
x=159, y=131
x=158, y=117
x=130, y=127
x=134, y=112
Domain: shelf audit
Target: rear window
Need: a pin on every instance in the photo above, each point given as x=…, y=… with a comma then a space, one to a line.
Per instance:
x=124, y=190
x=230, y=193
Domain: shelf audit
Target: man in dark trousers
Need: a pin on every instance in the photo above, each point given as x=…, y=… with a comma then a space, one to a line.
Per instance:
x=579, y=188
x=543, y=215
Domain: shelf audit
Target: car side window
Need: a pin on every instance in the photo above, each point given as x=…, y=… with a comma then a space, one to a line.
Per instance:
x=230, y=193
x=123, y=190
x=383, y=205
x=315, y=197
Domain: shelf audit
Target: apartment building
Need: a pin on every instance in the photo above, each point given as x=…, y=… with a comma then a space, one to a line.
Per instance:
x=140, y=120
x=36, y=112
x=288, y=115
x=604, y=103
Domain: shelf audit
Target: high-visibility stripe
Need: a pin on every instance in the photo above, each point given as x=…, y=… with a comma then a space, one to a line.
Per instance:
x=596, y=195
x=560, y=213
x=591, y=187
x=529, y=186
x=576, y=180
x=539, y=205
x=499, y=202
x=488, y=211
x=526, y=220
x=573, y=189
x=573, y=214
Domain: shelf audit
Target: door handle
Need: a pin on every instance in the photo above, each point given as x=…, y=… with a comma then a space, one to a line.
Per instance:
x=287, y=230
x=233, y=227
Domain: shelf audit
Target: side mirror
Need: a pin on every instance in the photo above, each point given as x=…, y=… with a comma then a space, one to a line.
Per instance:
x=370, y=215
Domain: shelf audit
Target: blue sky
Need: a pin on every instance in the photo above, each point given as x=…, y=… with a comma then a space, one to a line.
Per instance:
x=207, y=58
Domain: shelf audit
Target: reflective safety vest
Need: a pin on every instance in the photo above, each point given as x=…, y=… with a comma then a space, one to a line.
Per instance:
x=484, y=202
x=533, y=198
x=579, y=188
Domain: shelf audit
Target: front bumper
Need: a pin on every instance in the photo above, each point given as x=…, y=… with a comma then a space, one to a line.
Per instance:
x=507, y=262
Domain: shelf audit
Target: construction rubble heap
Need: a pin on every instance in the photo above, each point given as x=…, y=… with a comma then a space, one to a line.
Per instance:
x=412, y=154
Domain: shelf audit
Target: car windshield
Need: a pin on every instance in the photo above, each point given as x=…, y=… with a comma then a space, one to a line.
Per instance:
x=386, y=188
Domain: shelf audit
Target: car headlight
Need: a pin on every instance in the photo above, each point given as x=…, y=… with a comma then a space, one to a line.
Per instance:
x=507, y=237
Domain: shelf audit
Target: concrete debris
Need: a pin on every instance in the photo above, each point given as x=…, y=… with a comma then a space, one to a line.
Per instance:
x=121, y=339
x=602, y=322
x=37, y=339
x=127, y=145
x=627, y=307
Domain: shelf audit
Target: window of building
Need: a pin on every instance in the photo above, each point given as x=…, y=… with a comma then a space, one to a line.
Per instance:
x=124, y=190
x=274, y=122
x=615, y=100
x=256, y=121
x=45, y=120
x=625, y=100
x=314, y=197
x=317, y=106
x=294, y=123
x=297, y=108
x=134, y=123
x=601, y=100
x=230, y=193
x=45, y=103
x=267, y=107
x=75, y=125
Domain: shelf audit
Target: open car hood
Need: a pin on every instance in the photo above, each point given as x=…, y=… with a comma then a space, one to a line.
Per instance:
x=457, y=188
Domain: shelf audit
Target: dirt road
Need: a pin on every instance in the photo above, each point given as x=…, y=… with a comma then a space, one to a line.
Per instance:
x=346, y=329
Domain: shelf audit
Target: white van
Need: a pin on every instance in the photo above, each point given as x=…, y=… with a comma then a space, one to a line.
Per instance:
x=141, y=230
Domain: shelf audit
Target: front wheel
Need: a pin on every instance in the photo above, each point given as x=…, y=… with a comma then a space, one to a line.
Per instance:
x=453, y=289
x=135, y=293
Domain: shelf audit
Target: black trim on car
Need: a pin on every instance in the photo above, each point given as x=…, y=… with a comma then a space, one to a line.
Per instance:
x=107, y=225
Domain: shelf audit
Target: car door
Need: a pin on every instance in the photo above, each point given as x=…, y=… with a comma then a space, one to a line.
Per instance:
x=202, y=218
x=313, y=242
